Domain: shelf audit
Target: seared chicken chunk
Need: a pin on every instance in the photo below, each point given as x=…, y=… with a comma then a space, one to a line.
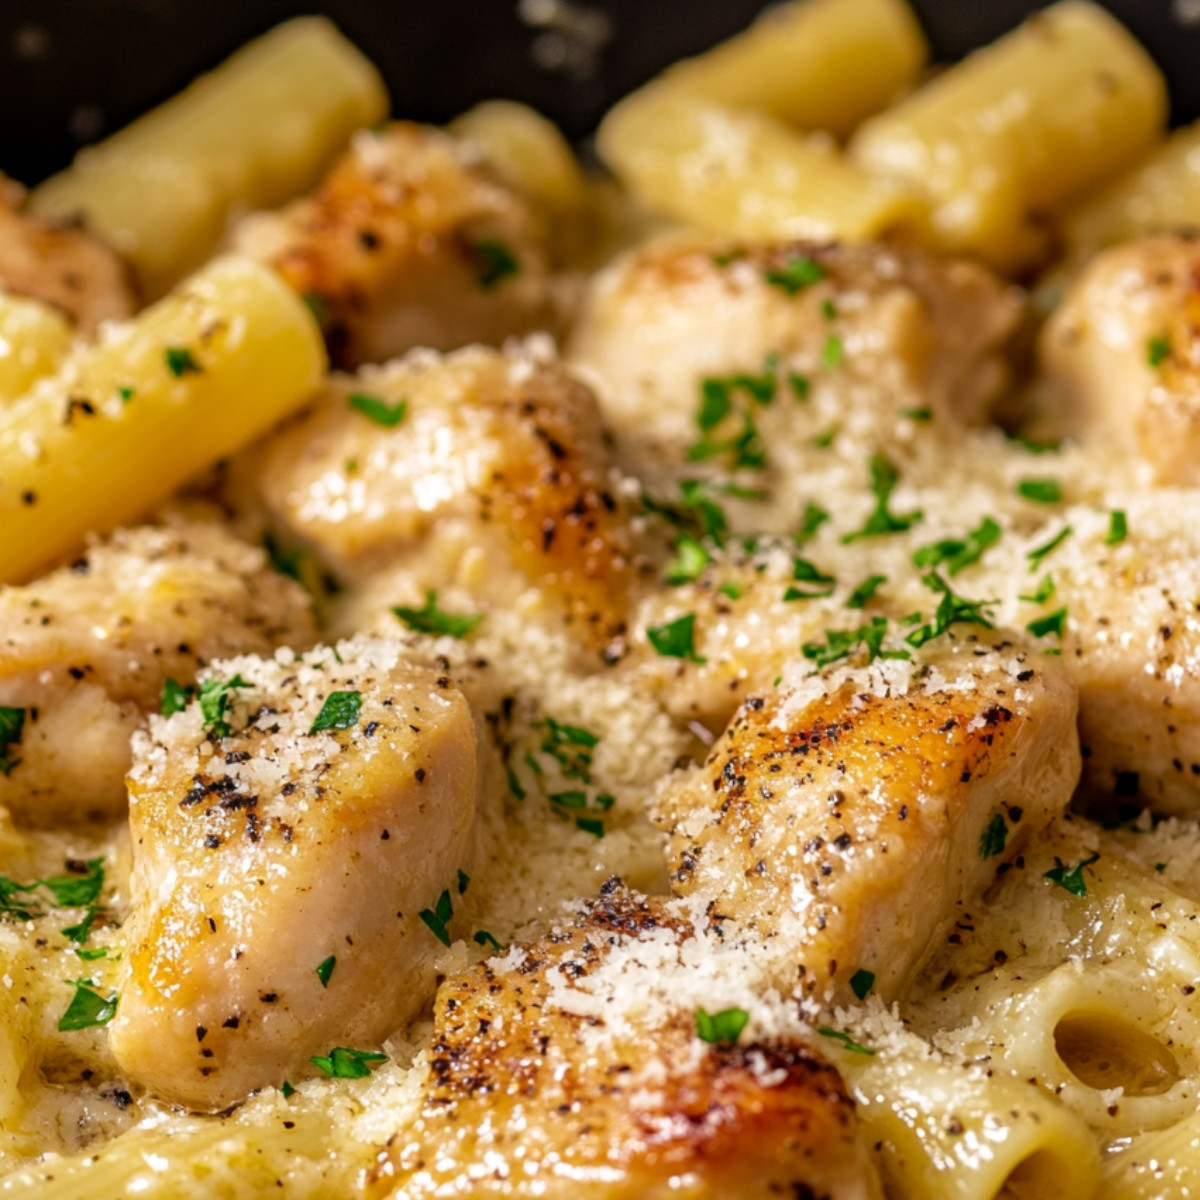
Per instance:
x=851, y=817
x=572, y=1068
x=1121, y=358
x=861, y=333
x=490, y=473
x=85, y=651
x=59, y=265
x=300, y=815
x=409, y=241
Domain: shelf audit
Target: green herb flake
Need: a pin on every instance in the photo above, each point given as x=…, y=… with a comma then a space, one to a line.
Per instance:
x=90, y=953
x=794, y=276
x=1160, y=867
x=715, y=404
x=286, y=1090
x=1118, y=529
x=592, y=825
x=79, y=933
x=464, y=882
x=213, y=698
x=861, y=983
x=1158, y=350
x=570, y=746
x=955, y=554
x=1039, y=553
x=813, y=517
x=483, y=938
x=286, y=562
x=841, y=643
x=377, y=410
x=174, y=698
x=994, y=838
x=1045, y=589
x=74, y=891
x=731, y=590
x=800, y=385
x=1041, y=491
x=340, y=711
x=514, y=785
x=825, y=439
x=805, y=572
x=862, y=594
x=430, y=619
x=1053, y=623
x=689, y=562
x=325, y=970
x=846, y=1040
x=318, y=305
x=952, y=610
x=12, y=724
x=828, y=309
x=496, y=262
x=833, y=351
x=676, y=639
x=917, y=414
x=570, y=799
x=724, y=1027
x=87, y=1008
x=180, y=362
x=438, y=917
x=126, y=394
x=342, y=1063
x=884, y=478
x=1071, y=878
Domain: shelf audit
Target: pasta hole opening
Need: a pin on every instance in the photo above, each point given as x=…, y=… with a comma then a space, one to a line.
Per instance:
x=1043, y=1175
x=1105, y=1052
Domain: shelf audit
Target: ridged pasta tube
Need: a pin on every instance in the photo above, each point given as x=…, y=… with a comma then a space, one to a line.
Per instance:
x=156, y=400
x=252, y=133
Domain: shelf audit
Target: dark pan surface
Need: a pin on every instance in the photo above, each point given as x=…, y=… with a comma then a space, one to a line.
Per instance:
x=73, y=70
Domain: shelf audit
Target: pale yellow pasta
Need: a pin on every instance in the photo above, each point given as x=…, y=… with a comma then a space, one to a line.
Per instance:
x=1016, y=133
x=943, y=1134
x=742, y=173
x=1158, y=1166
x=34, y=339
x=156, y=400
x=816, y=64
x=1162, y=193
x=255, y=131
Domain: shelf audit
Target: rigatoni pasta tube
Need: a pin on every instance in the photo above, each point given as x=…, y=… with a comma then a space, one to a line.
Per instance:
x=1021, y=129
x=254, y=132
x=1156, y=1166
x=816, y=64
x=34, y=339
x=741, y=173
x=156, y=400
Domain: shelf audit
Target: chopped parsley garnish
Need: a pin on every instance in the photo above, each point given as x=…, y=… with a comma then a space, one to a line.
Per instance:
x=286, y=1090
x=87, y=1008
x=689, y=562
x=571, y=747
x=214, y=703
x=1039, y=553
x=1052, y=623
x=1158, y=350
x=1034, y=446
x=325, y=970
x=342, y=1063
x=575, y=798
x=716, y=404
x=828, y=309
x=514, y=785
x=438, y=917
x=846, y=1040
x=180, y=362
x=995, y=837
x=951, y=610
x=861, y=983
x=12, y=724
x=795, y=275
x=318, y=305
x=813, y=518
x=126, y=394
x=90, y=953
x=676, y=639
x=430, y=619
x=884, y=478
x=841, y=643
x=340, y=711
x=377, y=410
x=1045, y=589
x=286, y=562
x=1042, y=491
x=745, y=449
x=723, y=1027
x=74, y=891
x=825, y=439
x=957, y=554
x=833, y=351
x=80, y=933
x=496, y=262
x=591, y=825
x=801, y=388
x=1071, y=878
x=865, y=590
x=174, y=698
x=917, y=414
x=464, y=882
x=731, y=590
x=805, y=572
x=483, y=938
x=1118, y=530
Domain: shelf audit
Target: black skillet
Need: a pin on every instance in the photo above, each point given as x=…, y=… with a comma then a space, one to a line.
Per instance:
x=73, y=70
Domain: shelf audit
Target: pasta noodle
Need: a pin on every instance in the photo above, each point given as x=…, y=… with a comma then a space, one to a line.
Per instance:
x=156, y=400
x=1021, y=129
x=34, y=339
x=250, y=134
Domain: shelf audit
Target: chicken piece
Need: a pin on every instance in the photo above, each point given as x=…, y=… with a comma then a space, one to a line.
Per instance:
x=85, y=651
x=409, y=241
x=872, y=332
x=853, y=816
x=61, y=265
x=572, y=1068
x=1121, y=358
x=338, y=805
x=495, y=480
